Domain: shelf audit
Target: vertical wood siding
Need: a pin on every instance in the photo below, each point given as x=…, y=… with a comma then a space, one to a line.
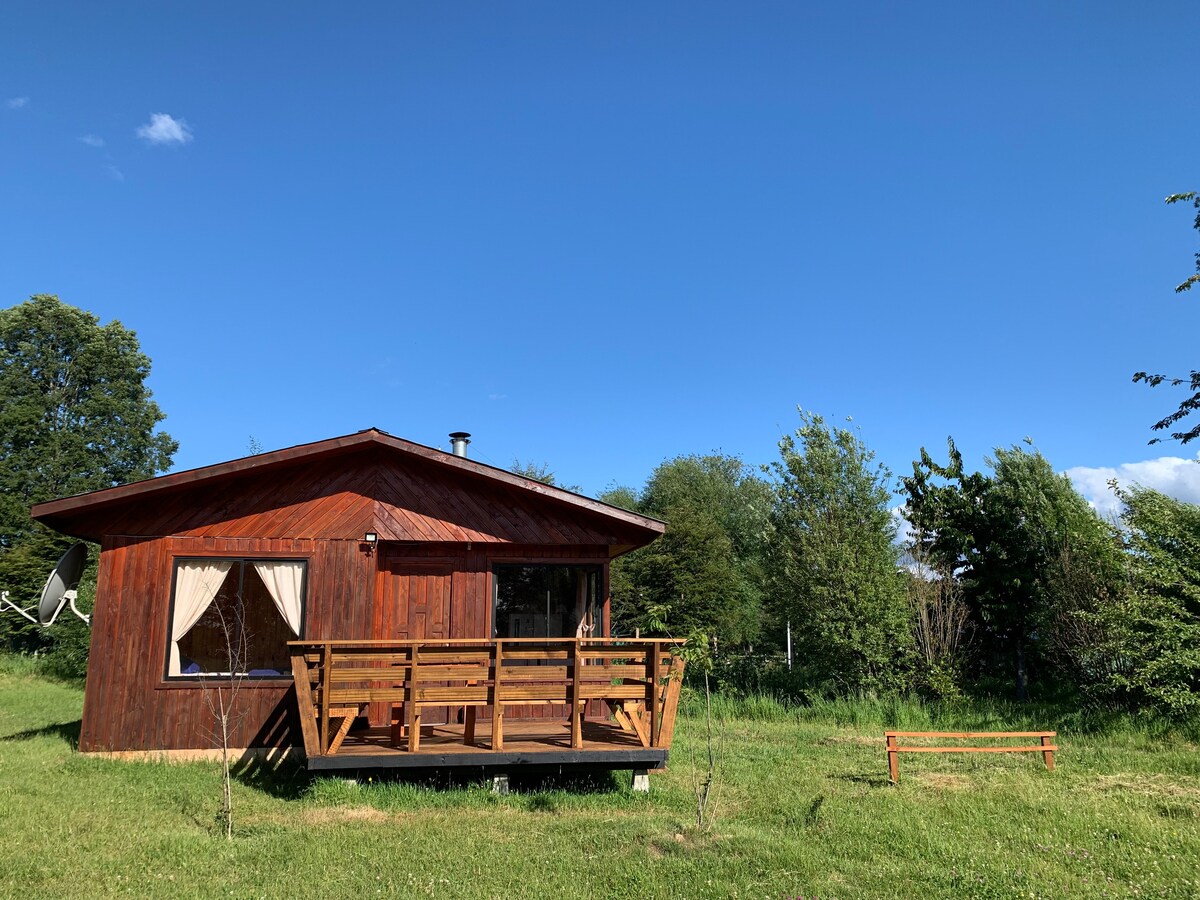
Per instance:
x=458, y=523
x=349, y=594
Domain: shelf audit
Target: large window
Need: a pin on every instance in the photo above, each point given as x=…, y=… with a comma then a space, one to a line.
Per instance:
x=547, y=601
x=235, y=615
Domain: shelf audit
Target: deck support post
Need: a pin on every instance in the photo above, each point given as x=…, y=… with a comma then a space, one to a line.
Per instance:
x=497, y=703
x=411, y=705
x=326, y=690
x=653, y=655
x=303, y=677
x=576, y=697
x=500, y=784
x=641, y=781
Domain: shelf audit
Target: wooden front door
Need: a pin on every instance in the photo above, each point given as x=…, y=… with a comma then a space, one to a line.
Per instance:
x=416, y=607
x=417, y=601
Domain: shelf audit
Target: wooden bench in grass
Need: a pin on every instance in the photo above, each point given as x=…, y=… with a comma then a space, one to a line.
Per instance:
x=1046, y=746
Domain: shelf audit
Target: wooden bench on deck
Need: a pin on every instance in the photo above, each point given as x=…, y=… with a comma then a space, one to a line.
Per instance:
x=338, y=680
x=1045, y=747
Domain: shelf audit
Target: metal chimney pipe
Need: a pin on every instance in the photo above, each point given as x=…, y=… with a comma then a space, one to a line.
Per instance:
x=458, y=443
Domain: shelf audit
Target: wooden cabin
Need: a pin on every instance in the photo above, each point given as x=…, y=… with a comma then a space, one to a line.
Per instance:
x=377, y=602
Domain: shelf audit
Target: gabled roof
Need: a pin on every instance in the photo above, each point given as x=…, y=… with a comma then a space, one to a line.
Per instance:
x=66, y=514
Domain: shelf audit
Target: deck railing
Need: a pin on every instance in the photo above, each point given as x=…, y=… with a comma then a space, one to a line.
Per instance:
x=336, y=680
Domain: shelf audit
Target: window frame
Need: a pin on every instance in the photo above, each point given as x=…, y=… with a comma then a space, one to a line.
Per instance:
x=202, y=679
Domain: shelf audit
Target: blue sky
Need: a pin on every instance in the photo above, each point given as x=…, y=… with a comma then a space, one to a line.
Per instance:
x=600, y=235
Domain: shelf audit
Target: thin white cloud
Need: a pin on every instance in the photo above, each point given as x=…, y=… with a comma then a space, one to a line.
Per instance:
x=1172, y=475
x=497, y=396
x=92, y=140
x=904, y=530
x=16, y=102
x=114, y=173
x=165, y=129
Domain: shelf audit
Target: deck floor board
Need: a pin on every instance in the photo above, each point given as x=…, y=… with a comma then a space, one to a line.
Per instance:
x=528, y=737
x=525, y=743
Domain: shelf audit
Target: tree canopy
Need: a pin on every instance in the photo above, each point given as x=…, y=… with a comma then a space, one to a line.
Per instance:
x=1013, y=538
x=75, y=416
x=1152, y=631
x=539, y=472
x=834, y=560
x=705, y=573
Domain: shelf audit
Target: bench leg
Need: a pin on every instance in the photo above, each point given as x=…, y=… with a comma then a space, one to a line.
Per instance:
x=577, y=726
x=1047, y=755
x=893, y=761
x=398, y=715
x=469, y=725
x=414, y=727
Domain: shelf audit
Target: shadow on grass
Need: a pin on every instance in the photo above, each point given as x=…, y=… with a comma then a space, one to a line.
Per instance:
x=285, y=779
x=68, y=732
x=288, y=779
x=593, y=781
x=537, y=781
x=870, y=780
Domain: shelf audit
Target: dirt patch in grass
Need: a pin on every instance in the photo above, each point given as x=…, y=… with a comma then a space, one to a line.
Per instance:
x=686, y=840
x=941, y=781
x=342, y=815
x=1157, y=786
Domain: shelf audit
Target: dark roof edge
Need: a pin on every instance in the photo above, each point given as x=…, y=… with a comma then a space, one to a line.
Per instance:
x=333, y=446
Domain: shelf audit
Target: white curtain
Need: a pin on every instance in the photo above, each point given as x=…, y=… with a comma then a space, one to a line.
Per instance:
x=196, y=583
x=284, y=581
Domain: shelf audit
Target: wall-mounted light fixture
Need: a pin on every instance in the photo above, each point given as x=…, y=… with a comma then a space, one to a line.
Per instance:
x=370, y=539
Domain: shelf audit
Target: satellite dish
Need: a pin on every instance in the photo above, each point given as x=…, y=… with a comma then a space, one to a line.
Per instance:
x=59, y=589
x=60, y=586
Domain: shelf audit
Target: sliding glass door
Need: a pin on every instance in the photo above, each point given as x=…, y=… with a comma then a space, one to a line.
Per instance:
x=546, y=601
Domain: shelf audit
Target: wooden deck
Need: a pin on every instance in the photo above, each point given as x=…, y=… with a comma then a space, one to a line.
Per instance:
x=532, y=743
x=637, y=682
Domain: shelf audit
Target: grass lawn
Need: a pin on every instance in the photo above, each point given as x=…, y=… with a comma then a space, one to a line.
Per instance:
x=803, y=810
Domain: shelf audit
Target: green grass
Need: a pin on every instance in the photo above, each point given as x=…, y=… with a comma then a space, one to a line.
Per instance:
x=803, y=809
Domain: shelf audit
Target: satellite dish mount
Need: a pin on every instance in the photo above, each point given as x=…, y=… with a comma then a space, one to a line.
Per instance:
x=59, y=592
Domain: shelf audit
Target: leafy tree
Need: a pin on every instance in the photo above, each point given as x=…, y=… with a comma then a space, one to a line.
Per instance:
x=1152, y=631
x=694, y=564
x=621, y=496
x=940, y=624
x=629, y=607
x=835, y=572
x=75, y=416
x=1192, y=403
x=536, y=471
x=540, y=472
x=707, y=569
x=1014, y=539
x=738, y=501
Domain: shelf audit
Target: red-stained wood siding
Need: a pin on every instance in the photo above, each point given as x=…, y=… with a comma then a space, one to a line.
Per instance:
x=426, y=515
x=349, y=594
x=128, y=705
x=402, y=499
